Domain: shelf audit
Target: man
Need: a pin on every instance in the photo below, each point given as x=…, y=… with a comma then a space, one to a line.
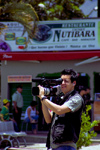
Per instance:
x=66, y=118
x=81, y=90
x=88, y=101
x=17, y=100
x=5, y=113
x=88, y=97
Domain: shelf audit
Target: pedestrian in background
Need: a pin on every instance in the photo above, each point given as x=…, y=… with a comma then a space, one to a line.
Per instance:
x=32, y=115
x=5, y=114
x=88, y=101
x=82, y=91
x=17, y=100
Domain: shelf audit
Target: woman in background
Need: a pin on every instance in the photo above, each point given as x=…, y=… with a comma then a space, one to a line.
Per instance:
x=32, y=115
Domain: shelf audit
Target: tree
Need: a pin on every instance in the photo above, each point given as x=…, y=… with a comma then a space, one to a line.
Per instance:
x=57, y=9
x=17, y=10
x=24, y=11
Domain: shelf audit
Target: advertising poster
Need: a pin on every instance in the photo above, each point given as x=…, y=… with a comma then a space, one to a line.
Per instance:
x=69, y=35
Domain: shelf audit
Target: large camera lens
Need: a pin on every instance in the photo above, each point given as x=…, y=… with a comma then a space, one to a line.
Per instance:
x=35, y=91
x=47, y=91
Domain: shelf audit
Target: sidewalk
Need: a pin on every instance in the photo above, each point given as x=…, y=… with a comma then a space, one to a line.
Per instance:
x=38, y=142
x=34, y=146
x=34, y=142
x=96, y=139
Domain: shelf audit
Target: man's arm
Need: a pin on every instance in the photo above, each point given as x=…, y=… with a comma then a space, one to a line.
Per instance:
x=47, y=114
x=59, y=110
x=15, y=106
x=12, y=119
x=3, y=113
x=14, y=99
x=73, y=104
x=2, y=119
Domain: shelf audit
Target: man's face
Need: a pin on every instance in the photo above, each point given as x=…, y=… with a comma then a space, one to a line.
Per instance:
x=8, y=104
x=83, y=92
x=19, y=90
x=66, y=85
x=88, y=91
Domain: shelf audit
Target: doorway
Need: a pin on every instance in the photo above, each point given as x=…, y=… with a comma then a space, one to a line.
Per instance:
x=26, y=93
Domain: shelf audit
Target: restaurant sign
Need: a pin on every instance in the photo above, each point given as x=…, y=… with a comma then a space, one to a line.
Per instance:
x=67, y=35
x=19, y=78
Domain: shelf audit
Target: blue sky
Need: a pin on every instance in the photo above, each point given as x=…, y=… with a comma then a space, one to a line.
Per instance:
x=90, y=8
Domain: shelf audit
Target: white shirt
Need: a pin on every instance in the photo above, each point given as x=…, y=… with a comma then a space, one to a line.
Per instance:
x=33, y=112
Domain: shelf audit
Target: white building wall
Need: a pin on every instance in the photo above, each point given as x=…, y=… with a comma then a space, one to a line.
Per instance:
x=31, y=68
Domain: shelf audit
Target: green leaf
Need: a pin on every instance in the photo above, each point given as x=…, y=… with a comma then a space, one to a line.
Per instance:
x=86, y=132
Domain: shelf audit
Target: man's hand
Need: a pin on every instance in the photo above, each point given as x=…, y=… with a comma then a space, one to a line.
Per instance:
x=41, y=92
x=37, y=112
x=16, y=110
x=31, y=120
x=15, y=106
x=12, y=119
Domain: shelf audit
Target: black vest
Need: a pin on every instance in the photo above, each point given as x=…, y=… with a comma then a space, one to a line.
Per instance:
x=67, y=126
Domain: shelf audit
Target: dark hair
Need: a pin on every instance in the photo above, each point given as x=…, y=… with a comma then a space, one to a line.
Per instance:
x=33, y=103
x=74, y=74
x=19, y=86
x=79, y=88
x=88, y=88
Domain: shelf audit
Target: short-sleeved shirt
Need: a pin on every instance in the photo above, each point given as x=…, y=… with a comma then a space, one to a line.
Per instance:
x=5, y=113
x=18, y=98
x=74, y=103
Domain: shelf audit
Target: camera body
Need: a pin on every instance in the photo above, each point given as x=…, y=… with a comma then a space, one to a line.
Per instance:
x=51, y=86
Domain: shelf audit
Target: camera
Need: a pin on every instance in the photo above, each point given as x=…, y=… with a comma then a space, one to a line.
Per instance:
x=51, y=86
x=47, y=91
